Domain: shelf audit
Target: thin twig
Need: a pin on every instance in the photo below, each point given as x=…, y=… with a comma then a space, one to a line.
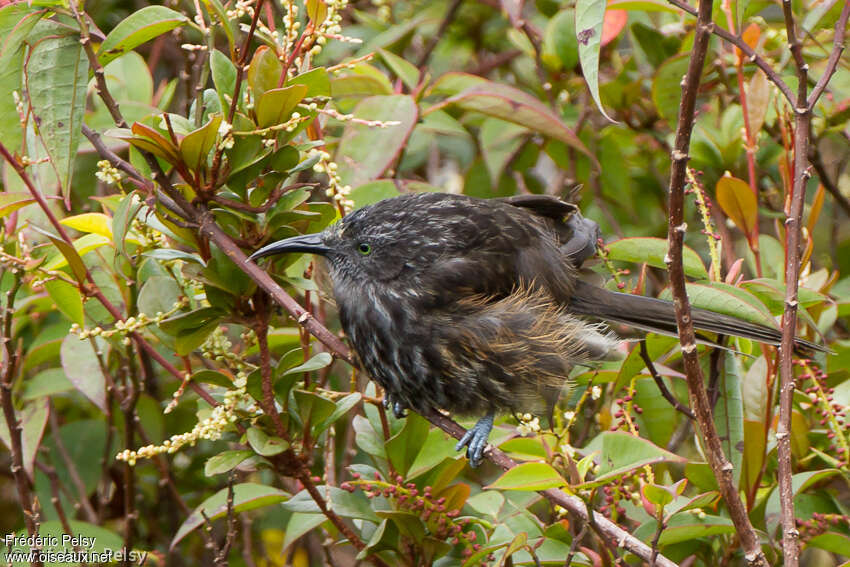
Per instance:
x=104, y=152
x=752, y=56
x=834, y=57
x=662, y=387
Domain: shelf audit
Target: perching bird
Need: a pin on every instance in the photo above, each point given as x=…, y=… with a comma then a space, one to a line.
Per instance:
x=474, y=306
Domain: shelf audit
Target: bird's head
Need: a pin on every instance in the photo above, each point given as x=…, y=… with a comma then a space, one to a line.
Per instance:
x=380, y=242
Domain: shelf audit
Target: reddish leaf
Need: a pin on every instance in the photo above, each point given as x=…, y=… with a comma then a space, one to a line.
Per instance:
x=613, y=24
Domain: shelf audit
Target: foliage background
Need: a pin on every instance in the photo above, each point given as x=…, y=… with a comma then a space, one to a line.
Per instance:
x=128, y=315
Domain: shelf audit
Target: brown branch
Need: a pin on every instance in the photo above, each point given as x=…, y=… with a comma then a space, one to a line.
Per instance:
x=104, y=152
x=8, y=365
x=700, y=404
x=793, y=222
x=607, y=529
x=662, y=387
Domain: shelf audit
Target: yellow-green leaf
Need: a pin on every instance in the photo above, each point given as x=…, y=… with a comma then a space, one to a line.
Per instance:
x=738, y=202
x=196, y=145
x=137, y=28
x=264, y=71
x=317, y=11
x=276, y=105
x=529, y=476
x=11, y=202
x=97, y=223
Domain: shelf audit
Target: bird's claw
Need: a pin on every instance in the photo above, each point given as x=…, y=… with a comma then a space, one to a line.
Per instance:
x=397, y=407
x=475, y=440
x=398, y=410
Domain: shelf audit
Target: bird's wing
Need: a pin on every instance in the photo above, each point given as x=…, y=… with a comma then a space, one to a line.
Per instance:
x=503, y=247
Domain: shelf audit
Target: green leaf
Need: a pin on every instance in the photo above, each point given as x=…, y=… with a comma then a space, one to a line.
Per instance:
x=403, y=447
x=525, y=447
x=48, y=382
x=343, y=406
x=403, y=69
x=658, y=495
x=727, y=299
x=316, y=362
x=372, y=192
x=666, y=87
x=652, y=251
x=686, y=527
x=358, y=86
x=358, y=161
x=224, y=77
x=529, y=476
x=313, y=407
x=11, y=202
x=729, y=414
x=196, y=145
x=560, y=46
x=276, y=105
x=316, y=80
x=137, y=28
x=169, y=255
x=72, y=254
x=518, y=107
x=83, y=370
x=298, y=525
x=57, y=76
x=263, y=72
x=67, y=299
x=122, y=221
x=16, y=21
x=246, y=496
x=33, y=419
x=622, y=452
x=264, y=444
x=347, y=504
x=590, y=14
x=500, y=141
x=367, y=438
x=226, y=461
x=436, y=448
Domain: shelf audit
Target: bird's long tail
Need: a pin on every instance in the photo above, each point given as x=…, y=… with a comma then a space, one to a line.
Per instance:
x=658, y=316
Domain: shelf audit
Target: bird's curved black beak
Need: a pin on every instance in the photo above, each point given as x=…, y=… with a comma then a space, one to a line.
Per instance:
x=310, y=243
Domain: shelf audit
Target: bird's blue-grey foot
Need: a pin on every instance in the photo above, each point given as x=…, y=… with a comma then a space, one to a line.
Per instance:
x=475, y=440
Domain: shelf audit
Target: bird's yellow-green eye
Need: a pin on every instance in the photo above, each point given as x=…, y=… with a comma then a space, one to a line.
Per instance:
x=364, y=248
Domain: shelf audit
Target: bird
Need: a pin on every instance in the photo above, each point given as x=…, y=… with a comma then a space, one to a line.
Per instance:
x=475, y=306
